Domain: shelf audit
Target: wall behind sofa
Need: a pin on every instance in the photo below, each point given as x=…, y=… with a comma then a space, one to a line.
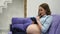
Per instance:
x=16, y=9
x=32, y=6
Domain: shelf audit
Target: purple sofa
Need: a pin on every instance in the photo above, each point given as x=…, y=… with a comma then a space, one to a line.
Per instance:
x=19, y=25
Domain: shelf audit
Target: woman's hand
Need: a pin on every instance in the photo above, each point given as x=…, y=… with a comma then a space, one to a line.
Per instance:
x=38, y=18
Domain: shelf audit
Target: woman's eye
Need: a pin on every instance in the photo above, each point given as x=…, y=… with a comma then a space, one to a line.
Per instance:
x=40, y=9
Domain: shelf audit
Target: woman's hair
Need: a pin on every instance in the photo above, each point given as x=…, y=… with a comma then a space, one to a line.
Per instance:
x=46, y=7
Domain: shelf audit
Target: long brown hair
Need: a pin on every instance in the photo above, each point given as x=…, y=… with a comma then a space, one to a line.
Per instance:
x=46, y=7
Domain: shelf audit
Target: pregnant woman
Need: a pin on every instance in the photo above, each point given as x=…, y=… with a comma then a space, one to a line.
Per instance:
x=43, y=21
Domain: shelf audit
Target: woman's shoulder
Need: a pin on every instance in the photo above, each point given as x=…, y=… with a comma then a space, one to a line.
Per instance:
x=49, y=16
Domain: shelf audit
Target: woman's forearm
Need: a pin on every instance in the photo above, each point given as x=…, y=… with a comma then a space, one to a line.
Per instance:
x=39, y=24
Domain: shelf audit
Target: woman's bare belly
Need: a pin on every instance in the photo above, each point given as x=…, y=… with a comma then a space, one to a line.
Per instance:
x=33, y=29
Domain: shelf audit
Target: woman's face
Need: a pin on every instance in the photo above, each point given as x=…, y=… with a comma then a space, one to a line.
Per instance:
x=41, y=11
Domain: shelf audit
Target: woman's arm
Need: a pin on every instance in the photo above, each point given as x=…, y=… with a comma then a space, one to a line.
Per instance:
x=38, y=22
x=46, y=25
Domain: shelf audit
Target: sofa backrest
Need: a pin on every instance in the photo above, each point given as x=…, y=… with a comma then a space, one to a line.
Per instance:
x=55, y=24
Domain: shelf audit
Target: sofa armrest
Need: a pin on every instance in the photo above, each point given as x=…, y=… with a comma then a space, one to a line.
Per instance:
x=17, y=20
x=18, y=27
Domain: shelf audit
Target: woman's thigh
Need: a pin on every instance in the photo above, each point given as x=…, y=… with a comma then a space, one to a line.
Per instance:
x=33, y=29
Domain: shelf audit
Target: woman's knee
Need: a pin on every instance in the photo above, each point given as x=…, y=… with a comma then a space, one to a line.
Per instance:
x=33, y=28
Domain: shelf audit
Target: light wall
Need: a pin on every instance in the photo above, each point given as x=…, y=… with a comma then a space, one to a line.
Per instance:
x=16, y=9
x=32, y=6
